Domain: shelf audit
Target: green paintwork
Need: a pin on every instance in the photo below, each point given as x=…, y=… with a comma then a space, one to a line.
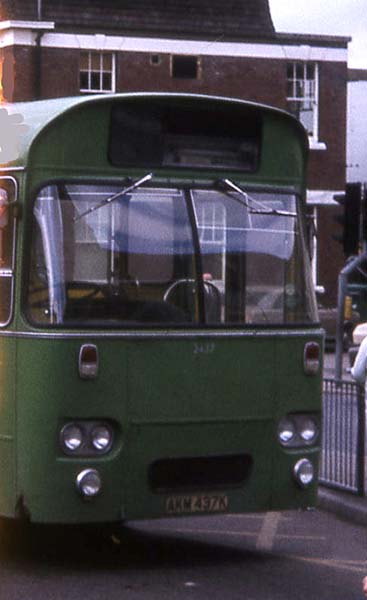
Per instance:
x=166, y=400
x=72, y=134
x=7, y=425
x=167, y=394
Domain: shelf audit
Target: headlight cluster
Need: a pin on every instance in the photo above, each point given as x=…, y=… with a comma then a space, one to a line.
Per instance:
x=86, y=438
x=298, y=430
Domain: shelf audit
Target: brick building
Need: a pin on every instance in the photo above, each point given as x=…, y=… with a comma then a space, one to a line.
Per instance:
x=52, y=48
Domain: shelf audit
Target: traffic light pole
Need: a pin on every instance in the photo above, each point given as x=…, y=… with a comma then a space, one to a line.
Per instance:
x=351, y=266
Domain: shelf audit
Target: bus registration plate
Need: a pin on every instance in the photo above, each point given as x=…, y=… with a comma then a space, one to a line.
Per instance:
x=176, y=505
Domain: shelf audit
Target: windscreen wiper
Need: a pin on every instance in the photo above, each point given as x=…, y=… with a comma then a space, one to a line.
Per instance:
x=227, y=183
x=110, y=199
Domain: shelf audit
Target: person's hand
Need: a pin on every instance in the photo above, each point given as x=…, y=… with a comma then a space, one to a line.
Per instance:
x=365, y=586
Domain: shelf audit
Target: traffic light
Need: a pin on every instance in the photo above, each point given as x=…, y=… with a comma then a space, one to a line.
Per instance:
x=353, y=220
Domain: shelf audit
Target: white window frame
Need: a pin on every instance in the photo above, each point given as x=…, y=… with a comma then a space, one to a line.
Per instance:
x=313, y=215
x=305, y=91
x=211, y=221
x=90, y=89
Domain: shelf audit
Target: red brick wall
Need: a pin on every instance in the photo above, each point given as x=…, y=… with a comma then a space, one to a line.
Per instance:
x=56, y=75
x=327, y=168
x=60, y=72
x=251, y=79
x=25, y=78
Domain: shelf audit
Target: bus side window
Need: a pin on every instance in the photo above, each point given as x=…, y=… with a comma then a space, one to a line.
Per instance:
x=7, y=190
x=4, y=221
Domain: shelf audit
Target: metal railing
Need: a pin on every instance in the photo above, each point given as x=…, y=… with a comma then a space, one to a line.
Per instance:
x=343, y=448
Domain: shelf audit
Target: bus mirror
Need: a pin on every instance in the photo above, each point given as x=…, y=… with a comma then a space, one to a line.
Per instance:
x=4, y=208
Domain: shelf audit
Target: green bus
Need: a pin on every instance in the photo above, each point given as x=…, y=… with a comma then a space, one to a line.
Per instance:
x=160, y=351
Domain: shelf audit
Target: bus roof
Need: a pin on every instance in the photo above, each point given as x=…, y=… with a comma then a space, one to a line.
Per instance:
x=22, y=122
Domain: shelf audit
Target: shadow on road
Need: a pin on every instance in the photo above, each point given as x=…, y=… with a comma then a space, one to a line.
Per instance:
x=104, y=547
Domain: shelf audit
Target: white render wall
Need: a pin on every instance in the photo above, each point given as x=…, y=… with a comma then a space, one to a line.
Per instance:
x=357, y=131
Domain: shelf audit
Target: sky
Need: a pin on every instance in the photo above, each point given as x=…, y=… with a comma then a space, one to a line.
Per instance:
x=329, y=17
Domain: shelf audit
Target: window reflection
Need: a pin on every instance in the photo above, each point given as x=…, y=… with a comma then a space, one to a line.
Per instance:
x=143, y=259
x=7, y=197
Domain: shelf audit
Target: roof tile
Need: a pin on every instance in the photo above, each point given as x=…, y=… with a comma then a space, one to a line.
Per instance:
x=200, y=18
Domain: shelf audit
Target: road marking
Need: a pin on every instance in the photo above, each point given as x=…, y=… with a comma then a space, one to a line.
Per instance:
x=249, y=516
x=211, y=532
x=266, y=538
x=268, y=531
x=339, y=564
x=242, y=533
x=252, y=516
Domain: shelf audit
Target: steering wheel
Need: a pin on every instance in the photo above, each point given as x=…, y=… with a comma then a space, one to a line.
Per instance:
x=175, y=285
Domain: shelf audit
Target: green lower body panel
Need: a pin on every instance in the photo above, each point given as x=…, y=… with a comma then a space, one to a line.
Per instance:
x=172, y=470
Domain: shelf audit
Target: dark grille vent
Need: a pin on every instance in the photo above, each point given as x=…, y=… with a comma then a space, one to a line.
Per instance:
x=199, y=473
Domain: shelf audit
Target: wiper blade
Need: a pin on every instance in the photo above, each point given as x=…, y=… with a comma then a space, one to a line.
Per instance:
x=227, y=183
x=247, y=199
x=126, y=190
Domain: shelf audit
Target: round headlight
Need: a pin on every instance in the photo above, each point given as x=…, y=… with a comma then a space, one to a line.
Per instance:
x=308, y=430
x=89, y=483
x=304, y=472
x=71, y=437
x=101, y=438
x=286, y=431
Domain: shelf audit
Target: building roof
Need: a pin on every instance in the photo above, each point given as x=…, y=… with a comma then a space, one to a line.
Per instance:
x=357, y=75
x=313, y=39
x=199, y=18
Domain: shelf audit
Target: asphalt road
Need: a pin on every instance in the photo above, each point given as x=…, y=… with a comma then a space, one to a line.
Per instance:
x=277, y=556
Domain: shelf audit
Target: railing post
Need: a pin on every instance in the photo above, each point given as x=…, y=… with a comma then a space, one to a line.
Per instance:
x=351, y=266
x=361, y=448
x=342, y=461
